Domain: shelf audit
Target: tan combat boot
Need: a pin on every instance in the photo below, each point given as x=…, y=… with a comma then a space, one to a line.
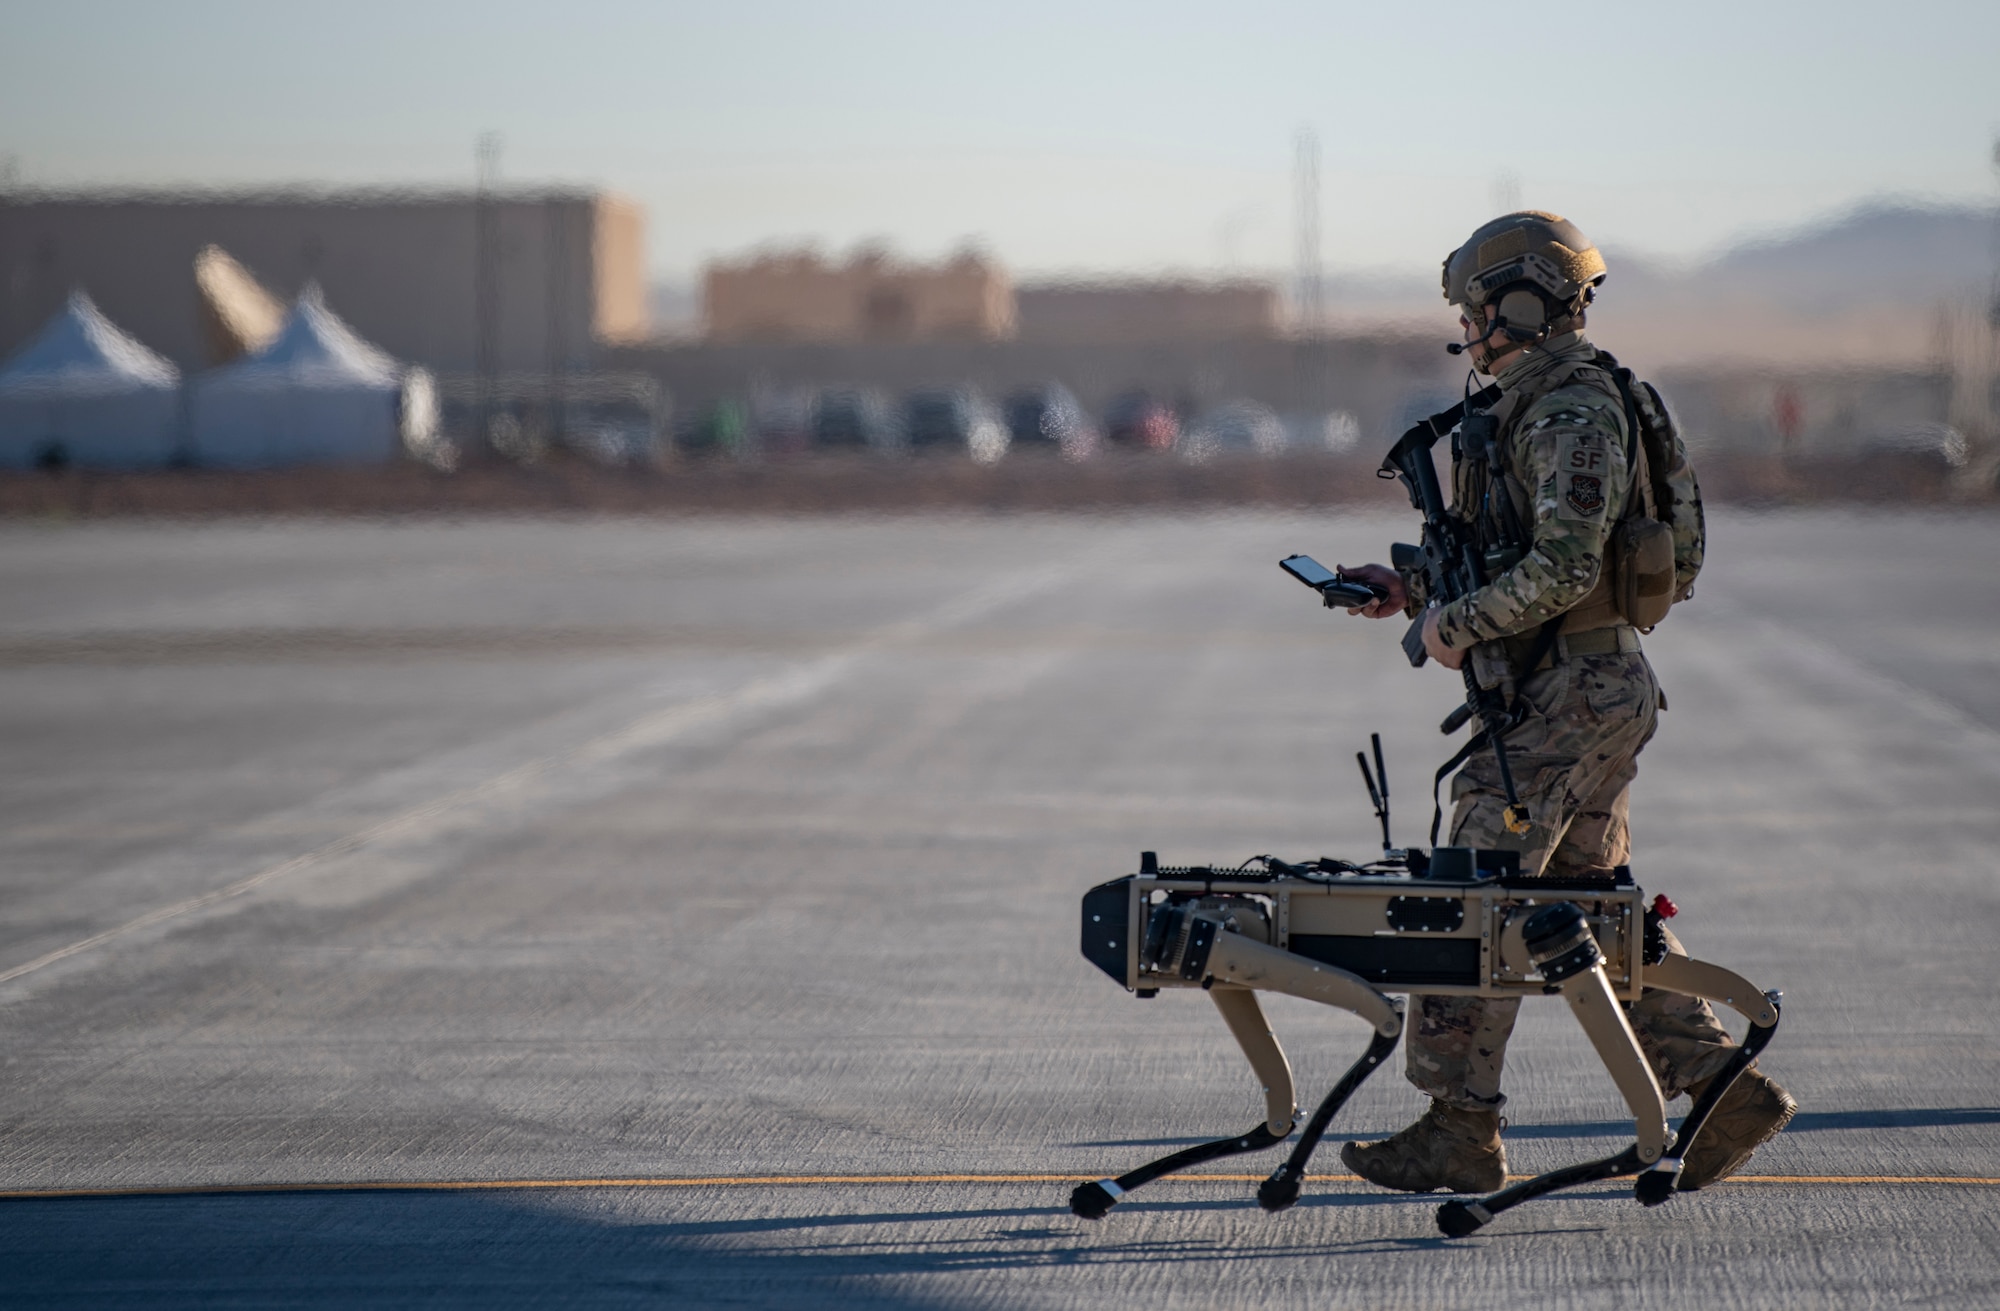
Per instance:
x=1749, y=1115
x=1449, y=1148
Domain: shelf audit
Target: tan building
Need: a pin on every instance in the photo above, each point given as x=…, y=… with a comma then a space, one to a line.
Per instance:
x=543, y=277
x=1149, y=311
x=798, y=296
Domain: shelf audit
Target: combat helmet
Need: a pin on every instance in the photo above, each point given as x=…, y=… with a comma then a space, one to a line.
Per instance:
x=1536, y=268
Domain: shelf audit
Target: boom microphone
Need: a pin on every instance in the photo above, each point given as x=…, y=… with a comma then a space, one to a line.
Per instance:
x=1505, y=329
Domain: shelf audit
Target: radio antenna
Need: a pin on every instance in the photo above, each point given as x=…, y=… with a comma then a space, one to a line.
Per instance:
x=1378, y=786
x=1382, y=778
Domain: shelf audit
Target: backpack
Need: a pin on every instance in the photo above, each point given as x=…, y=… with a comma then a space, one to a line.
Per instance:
x=1656, y=555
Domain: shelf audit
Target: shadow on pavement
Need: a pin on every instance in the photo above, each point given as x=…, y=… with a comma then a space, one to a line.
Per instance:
x=460, y=1249
x=487, y=1249
x=397, y=1249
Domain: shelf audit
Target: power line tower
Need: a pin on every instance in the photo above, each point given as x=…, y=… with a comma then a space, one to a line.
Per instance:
x=1988, y=373
x=486, y=277
x=1311, y=290
x=1309, y=363
x=1993, y=306
x=556, y=254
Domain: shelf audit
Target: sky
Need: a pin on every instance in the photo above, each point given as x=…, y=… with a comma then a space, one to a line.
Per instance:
x=1069, y=137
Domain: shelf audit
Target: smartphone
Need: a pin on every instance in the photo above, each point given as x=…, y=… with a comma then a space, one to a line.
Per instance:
x=1336, y=590
x=1308, y=571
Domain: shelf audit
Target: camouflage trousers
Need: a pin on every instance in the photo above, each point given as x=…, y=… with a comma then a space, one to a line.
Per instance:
x=1573, y=758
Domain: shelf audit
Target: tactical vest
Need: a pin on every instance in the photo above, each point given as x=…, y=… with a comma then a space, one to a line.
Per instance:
x=1654, y=546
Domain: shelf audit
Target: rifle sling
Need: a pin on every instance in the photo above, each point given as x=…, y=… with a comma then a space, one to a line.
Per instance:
x=1459, y=757
x=1425, y=432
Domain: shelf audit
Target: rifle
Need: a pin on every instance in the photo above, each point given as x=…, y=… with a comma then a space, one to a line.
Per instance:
x=1450, y=562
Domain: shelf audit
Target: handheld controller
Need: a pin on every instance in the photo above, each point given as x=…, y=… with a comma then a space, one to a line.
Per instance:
x=1333, y=589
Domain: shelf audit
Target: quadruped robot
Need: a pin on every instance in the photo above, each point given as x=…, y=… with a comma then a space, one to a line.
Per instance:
x=1450, y=921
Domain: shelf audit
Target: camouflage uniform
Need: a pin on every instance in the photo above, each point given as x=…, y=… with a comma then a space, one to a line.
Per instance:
x=1563, y=435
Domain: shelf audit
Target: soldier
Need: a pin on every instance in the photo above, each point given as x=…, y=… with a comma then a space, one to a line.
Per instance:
x=1565, y=474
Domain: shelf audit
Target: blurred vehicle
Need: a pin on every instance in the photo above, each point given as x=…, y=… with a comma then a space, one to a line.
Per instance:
x=855, y=418
x=781, y=420
x=612, y=419
x=1335, y=433
x=721, y=429
x=512, y=436
x=1230, y=428
x=947, y=418
x=1925, y=447
x=611, y=442
x=1050, y=415
x=1137, y=419
x=611, y=422
x=1418, y=405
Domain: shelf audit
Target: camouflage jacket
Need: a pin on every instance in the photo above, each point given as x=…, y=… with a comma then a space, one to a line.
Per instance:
x=1563, y=479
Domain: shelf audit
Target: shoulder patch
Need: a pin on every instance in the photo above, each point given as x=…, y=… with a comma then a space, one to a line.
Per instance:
x=1583, y=463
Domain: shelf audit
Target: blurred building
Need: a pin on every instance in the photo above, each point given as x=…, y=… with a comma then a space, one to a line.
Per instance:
x=1149, y=311
x=872, y=297
x=511, y=281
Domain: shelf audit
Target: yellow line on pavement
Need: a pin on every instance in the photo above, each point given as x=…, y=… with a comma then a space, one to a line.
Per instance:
x=1974, y=1180
x=795, y=1180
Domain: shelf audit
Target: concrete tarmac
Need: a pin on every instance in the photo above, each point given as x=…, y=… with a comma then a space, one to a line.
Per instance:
x=577, y=876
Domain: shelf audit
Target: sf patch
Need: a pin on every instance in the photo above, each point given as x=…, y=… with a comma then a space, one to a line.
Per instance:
x=1583, y=463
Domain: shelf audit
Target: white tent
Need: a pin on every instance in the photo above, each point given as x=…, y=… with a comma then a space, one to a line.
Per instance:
x=317, y=394
x=84, y=393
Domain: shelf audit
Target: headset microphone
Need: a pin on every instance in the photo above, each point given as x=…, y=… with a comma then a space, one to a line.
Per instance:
x=1509, y=331
x=1461, y=347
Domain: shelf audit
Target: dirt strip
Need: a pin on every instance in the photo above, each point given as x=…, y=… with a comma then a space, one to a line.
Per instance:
x=1023, y=482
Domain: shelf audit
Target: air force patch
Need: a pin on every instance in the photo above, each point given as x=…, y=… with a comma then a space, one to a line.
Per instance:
x=1585, y=497
x=1582, y=464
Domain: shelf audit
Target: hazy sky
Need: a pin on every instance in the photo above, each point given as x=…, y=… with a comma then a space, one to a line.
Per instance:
x=1079, y=135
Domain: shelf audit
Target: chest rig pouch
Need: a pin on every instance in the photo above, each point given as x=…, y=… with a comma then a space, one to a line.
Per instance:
x=1484, y=494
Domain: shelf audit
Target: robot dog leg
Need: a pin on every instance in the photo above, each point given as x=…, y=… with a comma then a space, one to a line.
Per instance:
x=1253, y=964
x=1210, y=943
x=1559, y=941
x=1282, y=1188
x=1253, y=1033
